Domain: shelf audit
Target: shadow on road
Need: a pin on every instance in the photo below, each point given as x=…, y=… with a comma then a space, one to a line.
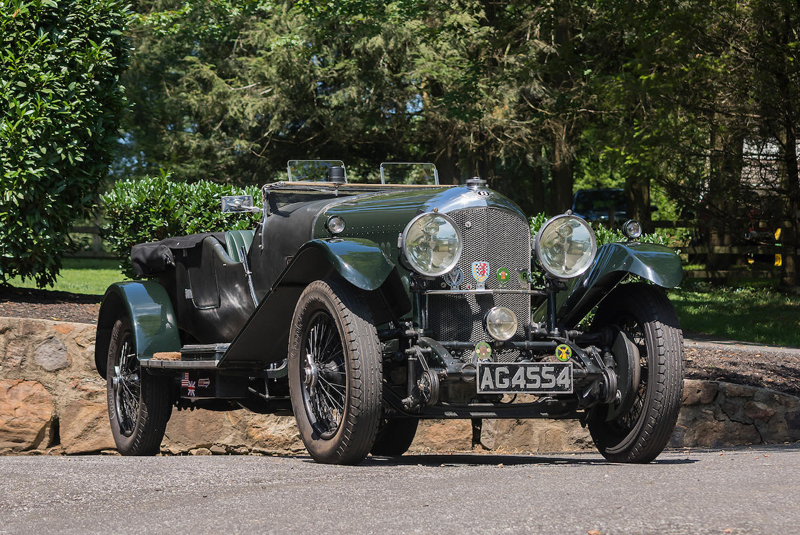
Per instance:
x=479, y=459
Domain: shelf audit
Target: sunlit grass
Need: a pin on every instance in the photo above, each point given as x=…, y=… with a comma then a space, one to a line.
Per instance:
x=81, y=276
x=758, y=315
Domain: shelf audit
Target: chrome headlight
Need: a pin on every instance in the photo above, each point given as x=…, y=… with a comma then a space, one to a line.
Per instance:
x=566, y=246
x=432, y=244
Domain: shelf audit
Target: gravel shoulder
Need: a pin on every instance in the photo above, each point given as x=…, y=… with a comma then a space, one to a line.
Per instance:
x=706, y=357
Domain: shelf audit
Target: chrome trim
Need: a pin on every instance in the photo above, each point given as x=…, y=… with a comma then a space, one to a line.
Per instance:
x=460, y=292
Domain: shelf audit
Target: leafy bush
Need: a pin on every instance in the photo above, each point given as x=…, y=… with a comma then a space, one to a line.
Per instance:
x=155, y=208
x=60, y=100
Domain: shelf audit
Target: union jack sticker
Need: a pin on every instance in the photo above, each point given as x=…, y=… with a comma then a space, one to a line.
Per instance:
x=190, y=391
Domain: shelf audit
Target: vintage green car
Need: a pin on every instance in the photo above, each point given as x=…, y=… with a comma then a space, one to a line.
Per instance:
x=363, y=308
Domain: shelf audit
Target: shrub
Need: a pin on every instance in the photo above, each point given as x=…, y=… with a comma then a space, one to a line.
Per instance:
x=60, y=100
x=155, y=208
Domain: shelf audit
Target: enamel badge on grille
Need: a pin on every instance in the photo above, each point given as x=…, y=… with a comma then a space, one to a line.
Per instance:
x=480, y=270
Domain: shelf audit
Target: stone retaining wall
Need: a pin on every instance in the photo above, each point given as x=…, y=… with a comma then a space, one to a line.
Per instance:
x=53, y=401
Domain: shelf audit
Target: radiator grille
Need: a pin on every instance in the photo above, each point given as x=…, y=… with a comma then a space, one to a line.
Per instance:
x=503, y=239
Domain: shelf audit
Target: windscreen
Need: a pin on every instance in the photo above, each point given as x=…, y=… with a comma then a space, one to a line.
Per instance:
x=418, y=174
x=310, y=170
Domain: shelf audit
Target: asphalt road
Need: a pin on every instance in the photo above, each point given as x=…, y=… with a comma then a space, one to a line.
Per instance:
x=747, y=490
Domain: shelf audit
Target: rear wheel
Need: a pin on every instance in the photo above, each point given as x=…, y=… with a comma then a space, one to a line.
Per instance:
x=335, y=373
x=395, y=436
x=640, y=433
x=139, y=404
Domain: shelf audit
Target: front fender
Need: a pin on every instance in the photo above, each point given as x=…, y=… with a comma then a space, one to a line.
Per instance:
x=359, y=261
x=655, y=263
x=149, y=308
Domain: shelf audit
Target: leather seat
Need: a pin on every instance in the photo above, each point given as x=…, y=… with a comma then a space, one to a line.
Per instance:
x=235, y=240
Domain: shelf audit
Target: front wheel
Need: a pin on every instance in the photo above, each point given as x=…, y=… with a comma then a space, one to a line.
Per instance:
x=139, y=404
x=335, y=373
x=639, y=434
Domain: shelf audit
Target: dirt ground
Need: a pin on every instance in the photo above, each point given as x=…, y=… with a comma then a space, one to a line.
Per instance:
x=776, y=368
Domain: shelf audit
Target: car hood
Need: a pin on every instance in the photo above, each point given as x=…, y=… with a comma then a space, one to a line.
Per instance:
x=392, y=210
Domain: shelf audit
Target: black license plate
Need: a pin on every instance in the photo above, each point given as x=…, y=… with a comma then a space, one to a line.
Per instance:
x=524, y=378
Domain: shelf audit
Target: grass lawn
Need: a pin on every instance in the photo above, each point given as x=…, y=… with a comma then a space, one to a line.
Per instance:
x=758, y=315
x=81, y=276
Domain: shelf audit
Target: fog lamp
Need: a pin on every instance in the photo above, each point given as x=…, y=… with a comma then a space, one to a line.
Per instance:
x=500, y=323
x=632, y=229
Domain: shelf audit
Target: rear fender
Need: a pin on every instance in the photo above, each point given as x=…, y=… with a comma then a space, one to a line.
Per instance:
x=147, y=305
x=264, y=338
x=655, y=263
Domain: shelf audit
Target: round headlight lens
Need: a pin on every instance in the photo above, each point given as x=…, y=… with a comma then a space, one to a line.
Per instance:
x=335, y=224
x=566, y=246
x=501, y=323
x=432, y=244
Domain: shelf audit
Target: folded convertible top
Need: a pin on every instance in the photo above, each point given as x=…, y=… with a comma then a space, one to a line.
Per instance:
x=150, y=259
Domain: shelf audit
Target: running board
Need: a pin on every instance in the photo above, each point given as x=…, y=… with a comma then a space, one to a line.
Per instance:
x=190, y=357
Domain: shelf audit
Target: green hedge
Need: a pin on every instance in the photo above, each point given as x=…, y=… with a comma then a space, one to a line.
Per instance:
x=60, y=100
x=155, y=208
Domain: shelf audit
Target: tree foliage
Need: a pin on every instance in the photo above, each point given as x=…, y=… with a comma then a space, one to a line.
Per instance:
x=529, y=95
x=60, y=101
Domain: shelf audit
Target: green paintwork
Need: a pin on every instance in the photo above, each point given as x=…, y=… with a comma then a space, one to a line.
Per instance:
x=149, y=308
x=360, y=262
x=656, y=263
x=376, y=213
x=381, y=216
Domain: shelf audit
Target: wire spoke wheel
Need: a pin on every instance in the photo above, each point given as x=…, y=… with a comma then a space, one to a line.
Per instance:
x=127, y=387
x=335, y=374
x=324, y=377
x=139, y=404
x=646, y=317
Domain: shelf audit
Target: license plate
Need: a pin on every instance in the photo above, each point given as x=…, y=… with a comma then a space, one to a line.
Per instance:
x=524, y=378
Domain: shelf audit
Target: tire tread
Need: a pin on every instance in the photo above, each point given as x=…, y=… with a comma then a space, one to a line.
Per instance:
x=662, y=405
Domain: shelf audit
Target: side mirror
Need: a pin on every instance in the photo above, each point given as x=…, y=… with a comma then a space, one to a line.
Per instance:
x=238, y=203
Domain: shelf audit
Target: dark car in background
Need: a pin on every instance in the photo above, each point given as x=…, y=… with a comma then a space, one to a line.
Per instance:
x=601, y=205
x=363, y=308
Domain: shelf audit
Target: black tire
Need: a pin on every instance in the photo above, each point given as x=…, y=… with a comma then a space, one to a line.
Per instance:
x=335, y=373
x=139, y=404
x=647, y=317
x=394, y=437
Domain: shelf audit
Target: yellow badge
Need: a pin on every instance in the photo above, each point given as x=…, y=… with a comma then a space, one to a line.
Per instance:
x=563, y=352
